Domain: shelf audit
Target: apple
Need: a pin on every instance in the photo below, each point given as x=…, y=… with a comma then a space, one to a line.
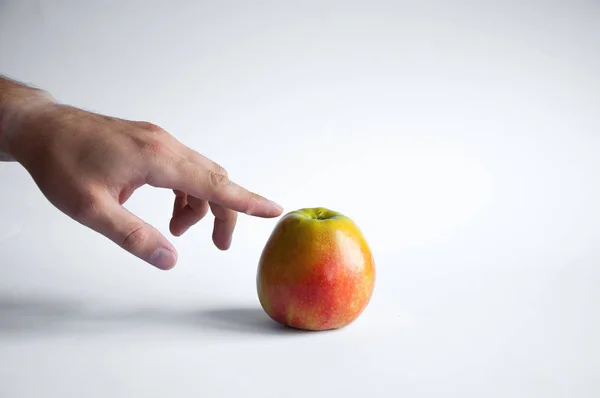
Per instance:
x=316, y=271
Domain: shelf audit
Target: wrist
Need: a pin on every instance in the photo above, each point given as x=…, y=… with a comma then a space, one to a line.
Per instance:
x=18, y=106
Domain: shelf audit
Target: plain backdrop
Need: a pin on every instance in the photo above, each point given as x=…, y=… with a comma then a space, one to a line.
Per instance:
x=462, y=137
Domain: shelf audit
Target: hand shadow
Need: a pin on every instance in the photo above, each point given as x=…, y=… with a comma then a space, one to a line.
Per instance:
x=38, y=315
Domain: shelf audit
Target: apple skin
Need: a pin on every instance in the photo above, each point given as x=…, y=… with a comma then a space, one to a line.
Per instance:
x=316, y=271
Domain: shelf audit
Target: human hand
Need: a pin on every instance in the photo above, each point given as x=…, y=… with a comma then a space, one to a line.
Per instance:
x=87, y=165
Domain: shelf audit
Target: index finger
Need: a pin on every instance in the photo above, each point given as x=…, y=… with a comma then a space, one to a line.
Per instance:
x=216, y=187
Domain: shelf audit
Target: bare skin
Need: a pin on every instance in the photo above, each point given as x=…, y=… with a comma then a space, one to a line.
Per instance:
x=87, y=165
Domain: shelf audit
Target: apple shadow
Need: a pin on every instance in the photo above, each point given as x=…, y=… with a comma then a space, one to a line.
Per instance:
x=49, y=315
x=243, y=320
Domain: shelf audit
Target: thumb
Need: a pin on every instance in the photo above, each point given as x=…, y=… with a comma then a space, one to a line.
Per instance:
x=132, y=234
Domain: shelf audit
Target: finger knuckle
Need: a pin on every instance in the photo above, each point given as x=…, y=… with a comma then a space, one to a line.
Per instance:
x=217, y=181
x=135, y=239
x=217, y=168
x=152, y=128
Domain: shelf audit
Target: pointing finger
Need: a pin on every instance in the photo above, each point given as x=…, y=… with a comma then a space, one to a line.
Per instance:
x=214, y=187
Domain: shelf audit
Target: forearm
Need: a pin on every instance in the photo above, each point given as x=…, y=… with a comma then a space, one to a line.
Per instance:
x=17, y=102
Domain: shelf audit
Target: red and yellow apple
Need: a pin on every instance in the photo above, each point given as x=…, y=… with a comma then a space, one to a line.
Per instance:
x=316, y=271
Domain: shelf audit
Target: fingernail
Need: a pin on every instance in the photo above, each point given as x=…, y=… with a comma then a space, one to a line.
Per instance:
x=163, y=258
x=277, y=205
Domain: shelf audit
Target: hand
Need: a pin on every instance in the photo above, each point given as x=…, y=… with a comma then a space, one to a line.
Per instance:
x=88, y=165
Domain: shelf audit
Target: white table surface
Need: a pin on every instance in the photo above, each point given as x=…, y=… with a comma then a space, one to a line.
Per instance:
x=463, y=138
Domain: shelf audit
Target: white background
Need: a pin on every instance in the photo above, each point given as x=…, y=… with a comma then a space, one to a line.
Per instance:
x=462, y=137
